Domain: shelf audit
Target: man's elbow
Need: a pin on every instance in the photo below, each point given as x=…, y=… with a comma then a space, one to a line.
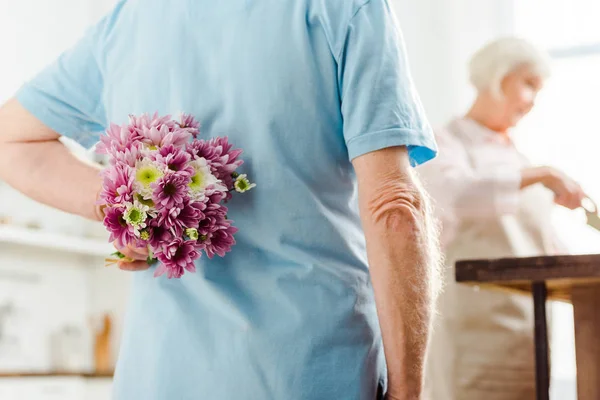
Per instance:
x=398, y=207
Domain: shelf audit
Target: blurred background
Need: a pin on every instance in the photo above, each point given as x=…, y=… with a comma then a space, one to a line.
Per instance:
x=61, y=309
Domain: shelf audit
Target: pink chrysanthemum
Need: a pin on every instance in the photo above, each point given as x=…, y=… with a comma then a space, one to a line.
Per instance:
x=214, y=215
x=188, y=123
x=129, y=156
x=162, y=136
x=167, y=218
x=175, y=159
x=117, y=187
x=221, y=241
x=177, y=219
x=191, y=215
x=117, y=139
x=171, y=190
x=120, y=232
x=199, y=149
x=154, y=136
x=217, y=197
x=145, y=121
x=223, y=160
x=215, y=231
x=159, y=234
x=176, y=257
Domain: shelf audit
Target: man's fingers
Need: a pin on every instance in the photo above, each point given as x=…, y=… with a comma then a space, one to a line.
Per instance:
x=135, y=254
x=142, y=252
x=133, y=265
x=129, y=253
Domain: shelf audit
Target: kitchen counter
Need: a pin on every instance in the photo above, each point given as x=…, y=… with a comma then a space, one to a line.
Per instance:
x=57, y=374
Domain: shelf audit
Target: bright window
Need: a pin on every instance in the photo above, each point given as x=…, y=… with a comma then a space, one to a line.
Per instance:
x=557, y=24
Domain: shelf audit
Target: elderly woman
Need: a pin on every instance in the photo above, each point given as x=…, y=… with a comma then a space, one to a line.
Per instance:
x=492, y=203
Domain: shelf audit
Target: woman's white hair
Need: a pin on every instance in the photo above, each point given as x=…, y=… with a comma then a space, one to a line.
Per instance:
x=494, y=61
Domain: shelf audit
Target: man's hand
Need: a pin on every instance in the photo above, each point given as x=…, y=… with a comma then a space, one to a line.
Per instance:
x=136, y=258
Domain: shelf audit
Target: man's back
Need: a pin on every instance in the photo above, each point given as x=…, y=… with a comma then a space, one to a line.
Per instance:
x=302, y=87
x=264, y=74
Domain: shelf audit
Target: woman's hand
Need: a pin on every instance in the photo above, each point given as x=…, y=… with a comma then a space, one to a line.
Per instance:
x=567, y=192
x=136, y=258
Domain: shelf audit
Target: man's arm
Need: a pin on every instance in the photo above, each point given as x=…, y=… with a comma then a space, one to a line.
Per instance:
x=404, y=259
x=36, y=163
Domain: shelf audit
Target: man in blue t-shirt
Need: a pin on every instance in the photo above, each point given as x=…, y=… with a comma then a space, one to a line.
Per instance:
x=319, y=96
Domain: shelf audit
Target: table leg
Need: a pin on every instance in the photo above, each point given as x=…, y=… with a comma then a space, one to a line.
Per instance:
x=542, y=367
x=586, y=308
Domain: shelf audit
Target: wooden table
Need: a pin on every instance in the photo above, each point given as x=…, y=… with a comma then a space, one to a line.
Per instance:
x=574, y=279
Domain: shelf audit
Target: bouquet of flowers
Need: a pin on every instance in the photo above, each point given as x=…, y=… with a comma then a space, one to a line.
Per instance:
x=165, y=190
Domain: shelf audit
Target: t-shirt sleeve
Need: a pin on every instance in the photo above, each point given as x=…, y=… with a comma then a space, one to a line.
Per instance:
x=67, y=96
x=380, y=105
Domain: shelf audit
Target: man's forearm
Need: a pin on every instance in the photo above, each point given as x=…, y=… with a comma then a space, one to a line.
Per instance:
x=48, y=172
x=403, y=257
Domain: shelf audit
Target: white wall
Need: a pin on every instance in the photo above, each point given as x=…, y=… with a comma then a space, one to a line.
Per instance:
x=33, y=33
x=50, y=289
x=440, y=37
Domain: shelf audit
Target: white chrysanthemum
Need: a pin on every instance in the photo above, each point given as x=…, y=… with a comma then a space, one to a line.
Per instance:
x=146, y=173
x=136, y=215
x=242, y=184
x=203, y=178
x=148, y=149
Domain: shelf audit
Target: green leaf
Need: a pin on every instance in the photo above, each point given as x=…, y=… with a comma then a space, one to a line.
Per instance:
x=151, y=260
x=118, y=254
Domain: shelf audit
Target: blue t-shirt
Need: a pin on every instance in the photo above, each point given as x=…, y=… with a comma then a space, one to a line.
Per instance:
x=303, y=87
